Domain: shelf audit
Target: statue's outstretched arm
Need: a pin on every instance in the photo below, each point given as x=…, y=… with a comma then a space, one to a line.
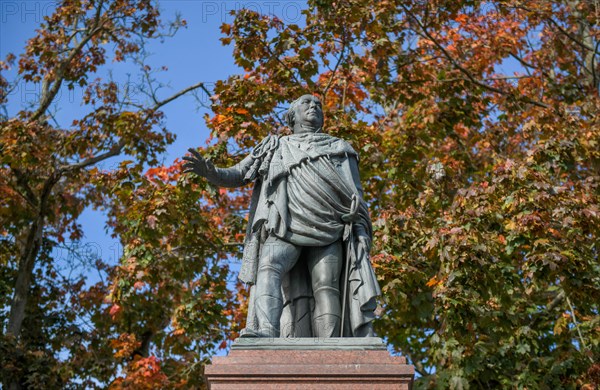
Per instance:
x=222, y=177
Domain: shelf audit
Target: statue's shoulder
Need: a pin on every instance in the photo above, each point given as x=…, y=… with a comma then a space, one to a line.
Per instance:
x=320, y=144
x=270, y=142
x=343, y=146
x=347, y=145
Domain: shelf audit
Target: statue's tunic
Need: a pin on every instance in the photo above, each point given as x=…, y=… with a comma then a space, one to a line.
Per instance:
x=315, y=205
x=308, y=193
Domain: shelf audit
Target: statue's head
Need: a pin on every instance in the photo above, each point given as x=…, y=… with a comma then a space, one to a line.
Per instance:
x=305, y=115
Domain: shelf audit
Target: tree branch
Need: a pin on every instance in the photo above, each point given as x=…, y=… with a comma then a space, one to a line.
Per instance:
x=334, y=71
x=462, y=69
x=180, y=93
x=420, y=369
x=282, y=64
x=581, y=340
x=555, y=302
x=114, y=151
x=117, y=148
x=22, y=183
x=48, y=95
x=583, y=45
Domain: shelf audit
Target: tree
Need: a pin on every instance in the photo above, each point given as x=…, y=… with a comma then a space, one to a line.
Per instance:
x=483, y=182
x=158, y=314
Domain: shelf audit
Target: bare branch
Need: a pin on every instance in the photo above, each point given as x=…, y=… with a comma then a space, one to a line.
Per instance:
x=114, y=151
x=581, y=339
x=117, y=148
x=180, y=93
x=335, y=68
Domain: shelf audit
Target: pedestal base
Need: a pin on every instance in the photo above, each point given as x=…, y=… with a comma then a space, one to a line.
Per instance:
x=307, y=363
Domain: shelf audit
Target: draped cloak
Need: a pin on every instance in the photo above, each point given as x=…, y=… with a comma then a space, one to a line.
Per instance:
x=307, y=192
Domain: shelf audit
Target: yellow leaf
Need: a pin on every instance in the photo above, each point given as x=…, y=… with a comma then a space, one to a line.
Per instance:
x=560, y=325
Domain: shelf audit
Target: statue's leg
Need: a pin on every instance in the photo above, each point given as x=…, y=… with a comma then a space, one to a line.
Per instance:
x=276, y=258
x=325, y=265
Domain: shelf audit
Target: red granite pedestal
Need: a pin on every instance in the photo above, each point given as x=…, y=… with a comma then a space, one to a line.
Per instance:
x=350, y=363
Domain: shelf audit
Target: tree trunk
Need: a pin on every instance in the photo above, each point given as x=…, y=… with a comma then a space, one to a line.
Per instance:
x=24, y=273
x=29, y=253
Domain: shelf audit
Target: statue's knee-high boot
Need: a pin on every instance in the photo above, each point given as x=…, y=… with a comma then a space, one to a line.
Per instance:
x=327, y=314
x=268, y=302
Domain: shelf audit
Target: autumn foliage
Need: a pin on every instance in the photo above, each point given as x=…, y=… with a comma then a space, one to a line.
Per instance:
x=68, y=319
x=477, y=127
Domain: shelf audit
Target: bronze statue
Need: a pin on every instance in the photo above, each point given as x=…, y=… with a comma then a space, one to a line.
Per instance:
x=306, y=253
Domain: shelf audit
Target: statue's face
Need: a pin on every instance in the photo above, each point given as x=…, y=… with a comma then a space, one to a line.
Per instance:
x=308, y=112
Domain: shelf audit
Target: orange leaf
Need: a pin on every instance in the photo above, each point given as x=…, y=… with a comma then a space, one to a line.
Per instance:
x=433, y=281
x=114, y=310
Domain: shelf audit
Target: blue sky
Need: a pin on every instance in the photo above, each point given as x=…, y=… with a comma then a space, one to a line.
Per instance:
x=193, y=55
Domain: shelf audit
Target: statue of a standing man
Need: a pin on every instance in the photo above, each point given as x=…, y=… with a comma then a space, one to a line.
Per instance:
x=306, y=253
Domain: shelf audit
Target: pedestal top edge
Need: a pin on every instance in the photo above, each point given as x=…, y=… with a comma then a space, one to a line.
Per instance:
x=297, y=343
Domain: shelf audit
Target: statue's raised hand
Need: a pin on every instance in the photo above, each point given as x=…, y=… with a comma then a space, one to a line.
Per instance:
x=198, y=165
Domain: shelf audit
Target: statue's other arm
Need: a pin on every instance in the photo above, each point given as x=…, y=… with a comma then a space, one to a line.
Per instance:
x=223, y=177
x=351, y=175
x=362, y=231
x=353, y=163
x=348, y=168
